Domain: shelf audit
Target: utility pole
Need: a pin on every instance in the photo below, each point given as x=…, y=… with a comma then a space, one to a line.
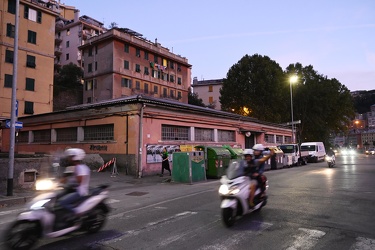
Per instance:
x=13, y=117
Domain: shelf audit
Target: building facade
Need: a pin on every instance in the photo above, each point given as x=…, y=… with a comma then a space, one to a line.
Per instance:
x=208, y=91
x=134, y=129
x=120, y=62
x=35, y=56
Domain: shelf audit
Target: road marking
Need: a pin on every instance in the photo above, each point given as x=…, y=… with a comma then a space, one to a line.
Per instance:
x=363, y=244
x=119, y=215
x=110, y=201
x=306, y=239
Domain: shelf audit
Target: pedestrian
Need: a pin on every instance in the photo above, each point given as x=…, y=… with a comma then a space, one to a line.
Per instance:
x=165, y=162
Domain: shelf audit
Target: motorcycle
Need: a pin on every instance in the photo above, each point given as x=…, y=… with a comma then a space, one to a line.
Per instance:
x=331, y=161
x=45, y=218
x=234, y=193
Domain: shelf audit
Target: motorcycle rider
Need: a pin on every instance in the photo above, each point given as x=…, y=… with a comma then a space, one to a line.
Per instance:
x=76, y=176
x=331, y=154
x=255, y=170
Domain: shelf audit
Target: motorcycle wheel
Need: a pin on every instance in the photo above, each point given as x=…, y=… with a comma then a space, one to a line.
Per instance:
x=22, y=235
x=228, y=217
x=96, y=220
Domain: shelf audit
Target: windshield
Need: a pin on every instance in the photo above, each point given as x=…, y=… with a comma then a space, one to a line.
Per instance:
x=287, y=148
x=234, y=169
x=308, y=148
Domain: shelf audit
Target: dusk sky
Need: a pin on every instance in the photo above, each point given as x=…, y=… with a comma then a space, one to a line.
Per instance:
x=336, y=37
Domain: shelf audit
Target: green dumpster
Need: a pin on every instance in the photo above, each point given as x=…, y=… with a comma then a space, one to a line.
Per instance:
x=217, y=160
x=235, y=153
x=188, y=167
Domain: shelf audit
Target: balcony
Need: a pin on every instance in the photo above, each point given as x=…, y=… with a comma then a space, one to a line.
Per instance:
x=58, y=50
x=58, y=40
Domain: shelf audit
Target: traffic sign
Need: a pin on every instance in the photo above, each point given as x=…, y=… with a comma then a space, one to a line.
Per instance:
x=18, y=125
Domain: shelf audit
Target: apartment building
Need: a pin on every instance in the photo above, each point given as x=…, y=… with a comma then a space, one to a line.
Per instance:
x=120, y=62
x=208, y=91
x=35, y=56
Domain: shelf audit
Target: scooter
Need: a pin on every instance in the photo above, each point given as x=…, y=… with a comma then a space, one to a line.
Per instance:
x=45, y=218
x=331, y=161
x=234, y=193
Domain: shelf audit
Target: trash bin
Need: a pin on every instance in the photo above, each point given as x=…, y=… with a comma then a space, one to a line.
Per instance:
x=217, y=160
x=236, y=153
x=188, y=167
x=277, y=161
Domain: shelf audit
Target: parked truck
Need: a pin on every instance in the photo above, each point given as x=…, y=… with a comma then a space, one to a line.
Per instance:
x=293, y=156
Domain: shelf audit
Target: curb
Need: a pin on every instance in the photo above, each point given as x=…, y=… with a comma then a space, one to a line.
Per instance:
x=11, y=201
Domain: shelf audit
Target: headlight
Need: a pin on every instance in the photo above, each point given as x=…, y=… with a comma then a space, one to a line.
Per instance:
x=225, y=190
x=45, y=184
x=328, y=158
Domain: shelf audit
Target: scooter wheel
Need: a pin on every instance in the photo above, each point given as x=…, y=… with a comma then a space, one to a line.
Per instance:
x=22, y=235
x=228, y=217
x=96, y=220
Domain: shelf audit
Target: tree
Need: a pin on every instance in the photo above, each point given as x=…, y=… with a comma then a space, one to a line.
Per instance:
x=113, y=25
x=194, y=99
x=254, y=87
x=323, y=105
x=67, y=89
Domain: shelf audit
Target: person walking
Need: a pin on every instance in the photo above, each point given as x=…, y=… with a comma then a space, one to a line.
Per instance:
x=165, y=162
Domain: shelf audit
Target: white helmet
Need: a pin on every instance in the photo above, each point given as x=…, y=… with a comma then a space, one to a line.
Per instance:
x=248, y=151
x=258, y=147
x=77, y=154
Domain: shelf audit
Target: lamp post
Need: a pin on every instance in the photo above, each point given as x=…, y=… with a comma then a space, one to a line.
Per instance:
x=292, y=79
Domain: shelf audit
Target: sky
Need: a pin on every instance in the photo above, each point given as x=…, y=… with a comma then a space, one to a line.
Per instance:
x=336, y=37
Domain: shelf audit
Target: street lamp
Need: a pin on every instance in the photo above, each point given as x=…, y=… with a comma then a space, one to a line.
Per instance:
x=292, y=79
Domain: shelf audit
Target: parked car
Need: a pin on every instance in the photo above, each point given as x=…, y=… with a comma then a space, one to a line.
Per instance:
x=370, y=151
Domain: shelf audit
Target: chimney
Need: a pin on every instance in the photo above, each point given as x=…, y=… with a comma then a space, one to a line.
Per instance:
x=76, y=15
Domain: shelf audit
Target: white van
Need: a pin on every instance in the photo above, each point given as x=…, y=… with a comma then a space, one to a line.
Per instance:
x=316, y=150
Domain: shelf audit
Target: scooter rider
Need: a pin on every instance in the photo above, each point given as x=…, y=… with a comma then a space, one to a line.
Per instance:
x=256, y=170
x=78, y=176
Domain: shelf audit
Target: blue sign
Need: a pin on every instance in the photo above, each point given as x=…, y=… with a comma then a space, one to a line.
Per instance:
x=18, y=125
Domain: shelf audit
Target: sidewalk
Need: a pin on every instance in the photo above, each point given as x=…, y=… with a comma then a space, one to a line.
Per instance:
x=22, y=196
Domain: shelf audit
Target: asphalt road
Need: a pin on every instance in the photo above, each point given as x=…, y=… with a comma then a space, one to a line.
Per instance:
x=310, y=207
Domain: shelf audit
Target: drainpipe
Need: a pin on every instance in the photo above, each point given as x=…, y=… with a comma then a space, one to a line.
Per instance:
x=140, y=141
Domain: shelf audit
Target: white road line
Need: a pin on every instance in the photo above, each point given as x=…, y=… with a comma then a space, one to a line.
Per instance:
x=306, y=239
x=110, y=201
x=119, y=215
x=363, y=244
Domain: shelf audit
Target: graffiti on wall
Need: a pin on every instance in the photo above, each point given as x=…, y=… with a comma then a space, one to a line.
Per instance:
x=154, y=152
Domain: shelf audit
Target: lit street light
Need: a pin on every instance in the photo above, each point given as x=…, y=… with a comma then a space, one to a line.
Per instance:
x=292, y=79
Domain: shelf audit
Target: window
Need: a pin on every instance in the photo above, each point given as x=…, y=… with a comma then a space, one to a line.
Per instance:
x=23, y=136
x=174, y=133
x=179, y=96
x=171, y=65
x=146, y=55
x=156, y=59
x=165, y=62
x=31, y=37
x=279, y=139
x=30, y=84
x=155, y=74
x=165, y=93
x=90, y=51
x=66, y=134
x=165, y=76
x=29, y=108
x=8, y=79
x=96, y=66
x=12, y=6
x=96, y=50
x=288, y=139
x=88, y=99
x=30, y=61
x=269, y=138
x=137, y=85
x=126, y=83
x=137, y=52
x=32, y=14
x=146, y=71
x=146, y=88
x=210, y=99
x=67, y=44
x=99, y=133
x=89, y=67
x=226, y=135
x=210, y=89
x=179, y=81
x=68, y=32
x=10, y=30
x=9, y=56
x=171, y=93
x=204, y=134
x=67, y=56
x=156, y=89
x=178, y=68
x=171, y=78
x=126, y=48
x=138, y=68
x=126, y=64
x=42, y=135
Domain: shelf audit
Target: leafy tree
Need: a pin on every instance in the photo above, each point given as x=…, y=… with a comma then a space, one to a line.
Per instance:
x=254, y=87
x=363, y=101
x=68, y=88
x=323, y=105
x=194, y=99
x=113, y=25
